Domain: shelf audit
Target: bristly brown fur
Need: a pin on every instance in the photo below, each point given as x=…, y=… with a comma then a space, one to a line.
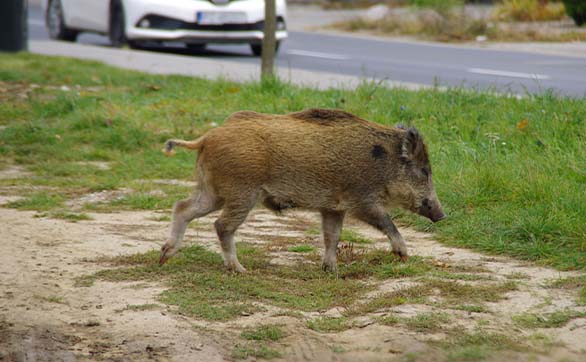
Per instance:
x=320, y=159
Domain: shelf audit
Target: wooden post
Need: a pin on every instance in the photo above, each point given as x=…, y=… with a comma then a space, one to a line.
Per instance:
x=269, y=42
x=13, y=25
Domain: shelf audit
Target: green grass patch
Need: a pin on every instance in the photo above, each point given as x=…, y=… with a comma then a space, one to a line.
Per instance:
x=200, y=286
x=51, y=299
x=39, y=201
x=351, y=236
x=427, y=322
x=263, y=333
x=462, y=346
x=547, y=320
x=509, y=172
x=254, y=351
x=472, y=308
x=140, y=307
x=66, y=215
x=449, y=292
x=577, y=283
x=328, y=324
x=304, y=248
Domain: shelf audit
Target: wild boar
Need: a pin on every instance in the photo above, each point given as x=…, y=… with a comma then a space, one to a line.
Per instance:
x=319, y=159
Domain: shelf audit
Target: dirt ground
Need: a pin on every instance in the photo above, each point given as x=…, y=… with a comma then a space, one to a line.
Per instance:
x=44, y=316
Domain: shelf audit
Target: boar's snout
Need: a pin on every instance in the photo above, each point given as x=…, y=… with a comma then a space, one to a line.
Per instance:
x=432, y=210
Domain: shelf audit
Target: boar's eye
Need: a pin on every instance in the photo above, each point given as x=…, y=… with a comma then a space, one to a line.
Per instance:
x=426, y=171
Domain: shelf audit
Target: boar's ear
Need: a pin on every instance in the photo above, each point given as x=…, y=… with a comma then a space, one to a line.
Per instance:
x=413, y=148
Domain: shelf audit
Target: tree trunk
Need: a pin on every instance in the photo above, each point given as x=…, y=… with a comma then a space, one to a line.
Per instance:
x=269, y=42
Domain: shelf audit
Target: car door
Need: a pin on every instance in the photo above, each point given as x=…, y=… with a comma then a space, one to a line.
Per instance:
x=87, y=14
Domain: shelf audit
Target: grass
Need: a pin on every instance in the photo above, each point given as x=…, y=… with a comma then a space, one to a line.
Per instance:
x=451, y=24
x=304, y=248
x=577, y=283
x=427, y=322
x=472, y=308
x=509, y=172
x=529, y=10
x=351, y=236
x=263, y=333
x=478, y=345
x=38, y=201
x=547, y=320
x=51, y=299
x=448, y=292
x=200, y=286
x=140, y=307
x=328, y=324
x=255, y=351
x=66, y=215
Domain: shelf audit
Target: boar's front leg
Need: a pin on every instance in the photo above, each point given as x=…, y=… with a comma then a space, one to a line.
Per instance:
x=378, y=218
x=332, y=228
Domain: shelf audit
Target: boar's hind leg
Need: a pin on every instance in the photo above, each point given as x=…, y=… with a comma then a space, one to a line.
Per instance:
x=184, y=212
x=232, y=216
x=378, y=218
x=332, y=227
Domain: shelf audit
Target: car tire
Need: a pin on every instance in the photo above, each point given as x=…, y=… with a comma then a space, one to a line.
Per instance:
x=257, y=48
x=117, y=27
x=196, y=47
x=56, y=24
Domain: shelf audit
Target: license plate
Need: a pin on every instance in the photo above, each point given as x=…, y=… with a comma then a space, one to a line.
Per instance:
x=220, y=17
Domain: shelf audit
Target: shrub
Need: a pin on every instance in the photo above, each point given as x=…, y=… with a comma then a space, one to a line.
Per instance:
x=577, y=10
x=530, y=10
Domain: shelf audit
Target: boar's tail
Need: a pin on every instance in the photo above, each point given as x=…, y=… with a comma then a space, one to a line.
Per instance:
x=192, y=145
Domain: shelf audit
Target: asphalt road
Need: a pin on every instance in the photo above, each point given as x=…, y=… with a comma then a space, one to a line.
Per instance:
x=398, y=61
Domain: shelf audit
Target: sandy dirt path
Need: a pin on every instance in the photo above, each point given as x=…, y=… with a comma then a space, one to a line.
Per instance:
x=44, y=316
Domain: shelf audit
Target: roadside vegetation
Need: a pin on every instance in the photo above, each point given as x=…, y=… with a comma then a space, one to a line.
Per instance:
x=452, y=21
x=509, y=171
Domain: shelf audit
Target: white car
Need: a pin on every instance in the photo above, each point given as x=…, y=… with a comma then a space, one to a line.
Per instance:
x=135, y=22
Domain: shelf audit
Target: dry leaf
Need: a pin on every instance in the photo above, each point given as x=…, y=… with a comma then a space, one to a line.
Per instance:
x=523, y=124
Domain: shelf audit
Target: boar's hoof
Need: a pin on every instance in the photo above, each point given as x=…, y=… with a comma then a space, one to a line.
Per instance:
x=404, y=257
x=329, y=266
x=167, y=251
x=235, y=267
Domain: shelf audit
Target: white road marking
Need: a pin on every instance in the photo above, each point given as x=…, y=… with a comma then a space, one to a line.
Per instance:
x=36, y=22
x=306, y=53
x=504, y=73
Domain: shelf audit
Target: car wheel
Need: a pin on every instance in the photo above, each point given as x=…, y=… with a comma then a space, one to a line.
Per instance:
x=257, y=48
x=117, y=28
x=56, y=24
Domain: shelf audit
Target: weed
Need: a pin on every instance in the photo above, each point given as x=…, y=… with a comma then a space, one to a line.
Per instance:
x=304, y=248
x=427, y=322
x=328, y=324
x=51, y=299
x=200, y=286
x=529, y=10
x=518, y=276
x=476, y=346
x=471, y=308
x=389, y=320
x=548, y=320
x=66, y=215
x=263, y=333
x=572, y=283
x=39, y=201
x=351, y=236
x=510, y=179
x=256, y=351
x=139, y=307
